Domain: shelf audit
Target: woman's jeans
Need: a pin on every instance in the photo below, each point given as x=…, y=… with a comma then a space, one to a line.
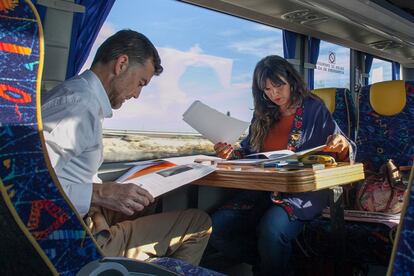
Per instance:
x=254, y=230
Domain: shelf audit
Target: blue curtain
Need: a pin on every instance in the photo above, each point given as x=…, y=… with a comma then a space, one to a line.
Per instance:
x=85, y=28
x=289, y=44
x=41, y=10
x=313, y=46
x=368, y=65
x=395, y=70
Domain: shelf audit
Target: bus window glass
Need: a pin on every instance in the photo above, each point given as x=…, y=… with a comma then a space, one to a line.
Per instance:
x=332, y=68
x=381, y=70
x=206, y=55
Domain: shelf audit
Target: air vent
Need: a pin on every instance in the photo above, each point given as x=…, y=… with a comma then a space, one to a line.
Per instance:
x=386, y=44
x=305, y=17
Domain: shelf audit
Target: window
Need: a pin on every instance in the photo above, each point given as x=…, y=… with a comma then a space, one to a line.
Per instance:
x=381, y=70
x=332, y=68
x=207, y=56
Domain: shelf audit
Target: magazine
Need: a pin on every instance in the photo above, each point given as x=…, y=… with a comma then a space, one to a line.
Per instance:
x=161, y=176
x=284, y=154
x=283, y=158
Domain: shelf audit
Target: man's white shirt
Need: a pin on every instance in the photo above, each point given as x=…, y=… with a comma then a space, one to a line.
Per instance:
x=72, y=116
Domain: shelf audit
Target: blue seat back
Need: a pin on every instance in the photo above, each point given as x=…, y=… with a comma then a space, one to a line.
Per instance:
x=27, y=181
x=339, y=102
x=386, y=124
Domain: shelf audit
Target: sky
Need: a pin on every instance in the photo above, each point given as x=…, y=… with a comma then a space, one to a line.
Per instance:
x=206, y=55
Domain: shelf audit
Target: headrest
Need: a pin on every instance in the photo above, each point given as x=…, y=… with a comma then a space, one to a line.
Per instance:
x=328, y=97
x=388, y=98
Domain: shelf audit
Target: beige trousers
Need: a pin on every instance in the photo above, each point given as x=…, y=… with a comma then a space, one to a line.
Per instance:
x=179, y=234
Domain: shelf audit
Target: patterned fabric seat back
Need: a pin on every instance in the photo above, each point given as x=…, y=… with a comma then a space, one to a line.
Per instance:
x=28, y=188
x=44, y=233
x=339, y=102
x=386, y=124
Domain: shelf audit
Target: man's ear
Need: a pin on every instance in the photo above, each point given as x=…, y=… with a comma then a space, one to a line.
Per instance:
x=121, y=64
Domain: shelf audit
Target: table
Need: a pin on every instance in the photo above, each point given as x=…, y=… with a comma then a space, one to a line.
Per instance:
x=295, y=181
x=282, y=180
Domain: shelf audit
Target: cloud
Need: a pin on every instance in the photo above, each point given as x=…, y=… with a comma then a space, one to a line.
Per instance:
x=260, y=47
x=196, y=49
x=106, y=31
x=162, y=103
x=176, y=62
x=264, y=28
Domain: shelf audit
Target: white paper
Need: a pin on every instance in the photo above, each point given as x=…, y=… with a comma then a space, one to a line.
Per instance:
x=165, y=180
x=277, y=154
x=214, y=125
x=285, y=154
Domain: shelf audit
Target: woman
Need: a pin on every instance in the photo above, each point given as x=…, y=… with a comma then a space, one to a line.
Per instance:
x=286, y=116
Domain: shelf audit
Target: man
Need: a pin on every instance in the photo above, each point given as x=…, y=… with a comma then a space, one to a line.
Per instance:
x=72, y=117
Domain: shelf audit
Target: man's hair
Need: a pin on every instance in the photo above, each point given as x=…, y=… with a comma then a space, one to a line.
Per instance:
x=135, y=45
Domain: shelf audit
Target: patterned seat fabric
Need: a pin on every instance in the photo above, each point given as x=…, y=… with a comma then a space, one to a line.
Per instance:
x=184, y=268
x=344, y=113
x=27, y=188
x=385, y=137
x=379, y=138
x=366, y=242
x=390, y=137
x=340, y=103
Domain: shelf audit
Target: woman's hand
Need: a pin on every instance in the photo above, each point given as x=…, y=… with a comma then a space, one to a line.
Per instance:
x=336, y=143
x=223, y=150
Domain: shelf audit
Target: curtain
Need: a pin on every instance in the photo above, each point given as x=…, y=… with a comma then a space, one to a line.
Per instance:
x=368, y=64
x=395, y=70
x=41, y=10
x=85, y=29
x=289, y=44
x=313, y=46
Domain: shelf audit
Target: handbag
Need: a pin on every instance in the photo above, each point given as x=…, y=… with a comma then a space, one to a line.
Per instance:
x=382, y=191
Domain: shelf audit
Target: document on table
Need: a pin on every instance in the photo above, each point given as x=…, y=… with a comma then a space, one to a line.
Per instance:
x=163, y=175
x=214, y=125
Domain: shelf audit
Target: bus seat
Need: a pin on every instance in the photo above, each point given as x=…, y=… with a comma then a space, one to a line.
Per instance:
x=386, y=124
x=339, y=102
x=40, y=232
x=386, y=131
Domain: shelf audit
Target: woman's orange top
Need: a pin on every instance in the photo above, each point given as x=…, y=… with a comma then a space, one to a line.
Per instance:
x=278, y=135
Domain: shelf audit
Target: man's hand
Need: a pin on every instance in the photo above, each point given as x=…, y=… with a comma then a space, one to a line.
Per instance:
x=223, y=150
x=336, y=143
x=126, y=198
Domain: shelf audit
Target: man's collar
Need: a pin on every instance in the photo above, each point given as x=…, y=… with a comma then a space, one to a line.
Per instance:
x=99, y=91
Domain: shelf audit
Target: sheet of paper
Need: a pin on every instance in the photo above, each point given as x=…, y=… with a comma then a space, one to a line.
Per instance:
x=165, y=180
x=214, y=125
